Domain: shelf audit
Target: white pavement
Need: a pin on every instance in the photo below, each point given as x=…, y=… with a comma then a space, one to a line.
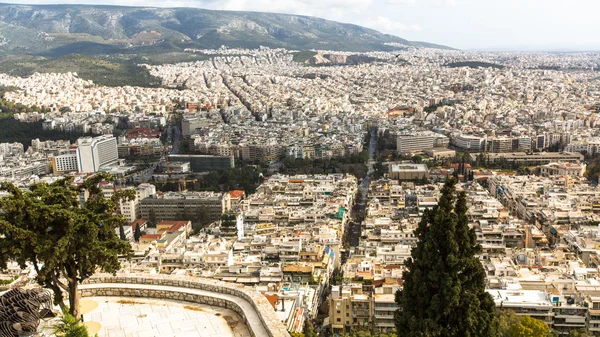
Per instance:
x=254, y=322
x=147, y=317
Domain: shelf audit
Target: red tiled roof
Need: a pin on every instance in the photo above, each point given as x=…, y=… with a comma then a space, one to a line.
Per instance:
x=236, y=193
x=151, y=236
x=173, y=222
x=272, y=299
x=139, y=222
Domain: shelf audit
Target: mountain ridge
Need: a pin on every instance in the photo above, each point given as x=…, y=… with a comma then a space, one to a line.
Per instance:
x=54, y=29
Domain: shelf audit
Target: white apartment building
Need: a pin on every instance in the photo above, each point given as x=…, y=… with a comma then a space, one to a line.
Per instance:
x=131, y=209
x=414, y=143
x=64, y=163
x=590, y=146
x=93, y=153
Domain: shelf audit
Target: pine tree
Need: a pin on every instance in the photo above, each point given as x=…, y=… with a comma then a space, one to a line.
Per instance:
x=152, y=218
x=138, y=233
x=64, y=241
x=444, y=284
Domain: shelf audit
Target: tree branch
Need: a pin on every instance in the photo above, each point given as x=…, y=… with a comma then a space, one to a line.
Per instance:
x=59, y=283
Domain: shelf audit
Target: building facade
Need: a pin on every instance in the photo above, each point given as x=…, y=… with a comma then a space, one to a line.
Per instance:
x=204, y=163
x=93, y=153
x=179, y=205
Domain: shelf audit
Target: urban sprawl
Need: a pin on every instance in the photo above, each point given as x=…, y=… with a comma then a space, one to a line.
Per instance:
x=518, y=130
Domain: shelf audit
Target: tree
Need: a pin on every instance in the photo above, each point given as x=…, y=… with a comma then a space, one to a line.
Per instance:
x=201, y=218
x=444, y=284
x=580, y=333
x=122, y=235
x=309, y=329
x=137, y=234
x=66, y=242
x=152, y=218
x=511, y=325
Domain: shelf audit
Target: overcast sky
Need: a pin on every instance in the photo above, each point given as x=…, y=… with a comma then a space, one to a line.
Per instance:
x=463, y=24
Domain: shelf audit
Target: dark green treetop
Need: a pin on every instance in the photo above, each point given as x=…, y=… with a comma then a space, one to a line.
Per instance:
x=444, y=284
x=65, y=241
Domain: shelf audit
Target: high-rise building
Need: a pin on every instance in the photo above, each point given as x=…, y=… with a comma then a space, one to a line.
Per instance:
x=93, y=153
x=64, y=163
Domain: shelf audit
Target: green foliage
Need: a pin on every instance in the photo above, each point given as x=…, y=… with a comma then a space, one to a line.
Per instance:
x=511, y=325
x=580, y=333
x=309, y=329
x=228, y=226
x=337, y=277
x=201, y=218
x=303, y=56
x=137, y=234
x=152, y=222
x=8, y=281
x=592, y=171
x=69, y=326
x=114, y=72
x=12, y=130
x=354, y=165
x=242, y=177
x=47, y=227
x=444, y=284
x=122, y=235
x=378, y=170
x=366, y=333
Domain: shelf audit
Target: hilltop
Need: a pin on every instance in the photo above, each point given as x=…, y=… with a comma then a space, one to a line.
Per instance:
x=57, y=30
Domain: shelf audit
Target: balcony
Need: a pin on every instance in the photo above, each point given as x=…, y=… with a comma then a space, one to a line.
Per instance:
x=361, y=313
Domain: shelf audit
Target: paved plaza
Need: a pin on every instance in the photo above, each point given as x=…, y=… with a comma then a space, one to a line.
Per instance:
x=146, y=317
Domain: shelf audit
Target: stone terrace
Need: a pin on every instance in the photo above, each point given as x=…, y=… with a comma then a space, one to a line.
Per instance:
x=252, y=306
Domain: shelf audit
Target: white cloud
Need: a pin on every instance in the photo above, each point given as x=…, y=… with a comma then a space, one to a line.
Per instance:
x=386, y=25
x=401, y=2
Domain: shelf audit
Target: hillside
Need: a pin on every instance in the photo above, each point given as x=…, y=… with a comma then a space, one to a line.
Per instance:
x=106, y=72
x=57, y=30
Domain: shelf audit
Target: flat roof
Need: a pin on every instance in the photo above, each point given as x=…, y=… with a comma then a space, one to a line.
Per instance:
x=408, y=167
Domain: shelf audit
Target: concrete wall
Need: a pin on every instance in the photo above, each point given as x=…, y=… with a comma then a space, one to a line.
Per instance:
x=234, y=296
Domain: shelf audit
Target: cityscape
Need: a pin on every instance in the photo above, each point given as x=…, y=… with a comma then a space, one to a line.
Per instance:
x=241, y=181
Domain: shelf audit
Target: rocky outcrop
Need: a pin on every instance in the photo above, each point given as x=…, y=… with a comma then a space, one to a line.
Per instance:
x=339, y=59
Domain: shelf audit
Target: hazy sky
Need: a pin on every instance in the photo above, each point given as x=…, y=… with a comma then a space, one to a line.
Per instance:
x=464, y=24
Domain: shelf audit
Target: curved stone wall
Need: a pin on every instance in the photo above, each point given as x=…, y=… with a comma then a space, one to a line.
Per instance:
x=252, y=306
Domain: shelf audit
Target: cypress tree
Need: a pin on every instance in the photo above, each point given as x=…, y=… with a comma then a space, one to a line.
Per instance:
x=122, y=232
x=444, y=284
x=138, y=233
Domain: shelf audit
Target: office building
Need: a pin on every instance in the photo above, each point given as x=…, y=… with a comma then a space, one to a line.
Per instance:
x=184, y=205
x=408, y=171
x=64, y=163
x=469, y=143
x=522, y=158
x=93, y=153
x=419, y=142
x=204, y=163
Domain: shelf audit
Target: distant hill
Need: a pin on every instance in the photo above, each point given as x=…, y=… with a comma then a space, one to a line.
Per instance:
x=57, y=30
